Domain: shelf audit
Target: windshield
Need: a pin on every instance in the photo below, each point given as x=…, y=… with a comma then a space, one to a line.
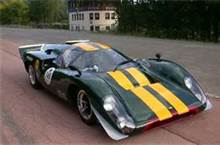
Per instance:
x=103, y=60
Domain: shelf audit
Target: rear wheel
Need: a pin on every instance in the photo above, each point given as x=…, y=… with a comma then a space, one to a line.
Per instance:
x=32, y=77
x=84, y=108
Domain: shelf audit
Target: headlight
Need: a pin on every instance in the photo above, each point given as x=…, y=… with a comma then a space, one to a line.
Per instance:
x=194, y=87
x=118, y=114
x=188, y=82
x=109, y=103
x=123, y=122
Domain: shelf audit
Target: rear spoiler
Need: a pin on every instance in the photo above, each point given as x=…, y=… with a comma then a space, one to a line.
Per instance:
x=70, y=42
x=32, y=47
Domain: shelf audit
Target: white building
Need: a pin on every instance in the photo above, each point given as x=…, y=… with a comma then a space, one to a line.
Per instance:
x=92, y=18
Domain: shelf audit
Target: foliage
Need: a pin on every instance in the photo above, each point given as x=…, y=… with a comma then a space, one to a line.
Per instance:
x=47, y=11
x=189, y=19
x=14, y=12
x=32, y=11
x=199, y=20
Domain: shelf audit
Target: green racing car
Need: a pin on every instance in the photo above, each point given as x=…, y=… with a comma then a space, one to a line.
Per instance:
x=126, y=96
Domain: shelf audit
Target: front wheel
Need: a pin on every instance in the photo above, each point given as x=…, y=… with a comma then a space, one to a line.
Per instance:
x=84, y=108
x=32, y=77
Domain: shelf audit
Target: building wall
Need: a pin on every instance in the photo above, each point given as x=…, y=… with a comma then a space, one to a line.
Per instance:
x=83, y=22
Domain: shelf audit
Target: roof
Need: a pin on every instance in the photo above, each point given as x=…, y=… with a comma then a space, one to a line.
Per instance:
x=92, y=46
x=84, y=45
x=89, y=8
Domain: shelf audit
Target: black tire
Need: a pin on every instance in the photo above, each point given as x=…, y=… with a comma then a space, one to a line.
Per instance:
x=84, y=108
x=32, y=77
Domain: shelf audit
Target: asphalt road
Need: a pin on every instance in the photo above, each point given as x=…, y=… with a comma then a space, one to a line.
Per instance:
x=31, y=116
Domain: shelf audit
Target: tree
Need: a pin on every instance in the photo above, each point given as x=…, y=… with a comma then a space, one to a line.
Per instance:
x=14, y=12
x=191, y=19
x=47, y=11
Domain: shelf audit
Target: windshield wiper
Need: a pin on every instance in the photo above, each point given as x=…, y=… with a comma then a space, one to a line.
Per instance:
x=123, y=63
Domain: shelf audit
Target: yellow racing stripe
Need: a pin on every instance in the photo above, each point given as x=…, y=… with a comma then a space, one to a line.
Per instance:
x=170, y=97
x=104, y=46
x=37, y=64
x=86, y=46
x=153, y=103
x=138, y=76
x=121, y=79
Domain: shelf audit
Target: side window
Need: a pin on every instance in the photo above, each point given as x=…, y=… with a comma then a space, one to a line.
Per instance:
x=66, y=57
x=59, y=60
x=82, y=61
x=69, y=56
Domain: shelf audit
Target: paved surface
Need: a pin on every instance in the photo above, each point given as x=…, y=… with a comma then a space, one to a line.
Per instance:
x=30, y=116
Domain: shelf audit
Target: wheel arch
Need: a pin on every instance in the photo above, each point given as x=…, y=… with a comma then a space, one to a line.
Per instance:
x=29, y=61
x=26, y=65
x=72, y=91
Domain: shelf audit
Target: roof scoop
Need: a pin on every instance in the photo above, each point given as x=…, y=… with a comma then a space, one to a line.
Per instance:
x=70, y=42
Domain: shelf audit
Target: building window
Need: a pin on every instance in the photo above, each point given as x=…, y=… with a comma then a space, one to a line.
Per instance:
x=97, y=28
x=91, y=16
x=72, y=17
x=107, y=16
x=79, y=16
x=113, y=16
x=97, y=16
x=82, y=16
x=107, y=28
x=91, y=28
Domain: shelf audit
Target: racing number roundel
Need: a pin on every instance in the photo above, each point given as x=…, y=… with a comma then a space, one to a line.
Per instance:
x=48, y=75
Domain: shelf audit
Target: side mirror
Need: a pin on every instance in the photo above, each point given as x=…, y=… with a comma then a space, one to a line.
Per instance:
x=48, y=51
x=158, y=56
x=76, y=69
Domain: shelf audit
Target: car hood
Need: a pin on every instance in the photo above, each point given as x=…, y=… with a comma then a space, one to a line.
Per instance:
x=145, y=99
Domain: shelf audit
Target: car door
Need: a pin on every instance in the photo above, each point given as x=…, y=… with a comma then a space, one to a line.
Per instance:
x=60, y=77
